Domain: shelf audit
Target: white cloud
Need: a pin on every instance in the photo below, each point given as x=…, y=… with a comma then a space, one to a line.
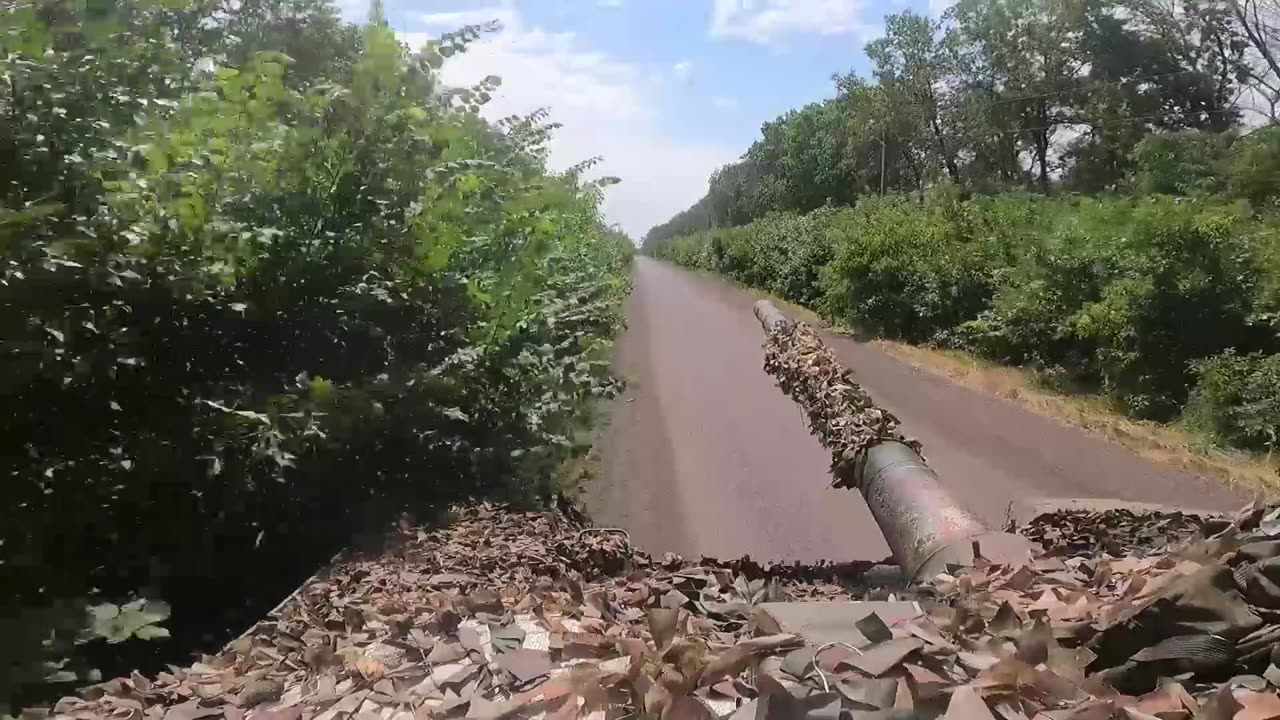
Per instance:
x=767, y=21
x=937, y=7
x=356, y=11
x=611, y=3
x=724, y=102
x=683, y=70
x=607, y=107
x=454, y=20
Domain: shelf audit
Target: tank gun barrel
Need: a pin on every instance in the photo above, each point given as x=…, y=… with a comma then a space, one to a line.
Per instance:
x=925, y=526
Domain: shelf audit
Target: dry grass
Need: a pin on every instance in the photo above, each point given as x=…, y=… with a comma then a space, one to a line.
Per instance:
x=1165, y=444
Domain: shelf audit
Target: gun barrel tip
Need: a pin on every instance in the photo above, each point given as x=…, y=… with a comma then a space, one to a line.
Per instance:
x=770, y=316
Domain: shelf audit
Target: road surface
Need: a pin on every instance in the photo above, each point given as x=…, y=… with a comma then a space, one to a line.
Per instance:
x=703, y=455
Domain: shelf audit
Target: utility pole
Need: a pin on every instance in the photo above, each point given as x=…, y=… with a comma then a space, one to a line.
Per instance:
x=882, y=163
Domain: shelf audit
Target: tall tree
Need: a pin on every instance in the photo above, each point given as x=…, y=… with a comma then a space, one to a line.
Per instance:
x=1259, y=21
x=1154, y=65
x=1029, y=51
x=882, y=151
x=310, y=32
x=910, y=66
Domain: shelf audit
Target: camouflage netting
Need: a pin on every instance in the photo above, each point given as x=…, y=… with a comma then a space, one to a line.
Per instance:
x=840, y=413
x=1116, y=531
x=505, y=614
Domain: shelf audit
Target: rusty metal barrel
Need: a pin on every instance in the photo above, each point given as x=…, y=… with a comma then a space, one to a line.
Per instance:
x=926, y=528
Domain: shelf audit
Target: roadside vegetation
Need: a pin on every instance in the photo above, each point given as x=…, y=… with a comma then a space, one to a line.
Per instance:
x=1086, y=188
x=266, y=284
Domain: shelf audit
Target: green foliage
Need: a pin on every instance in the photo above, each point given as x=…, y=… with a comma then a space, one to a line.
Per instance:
x=1185, y=163
x=781, y=253
x=252, y=308
x=117, y=623
x=1058, y=267
x=1125, y=296
x=1200, y=163
x=911, y=272
x=1078, y=95
x=1255, y=168
x=1182, y=290
x=1237, y=400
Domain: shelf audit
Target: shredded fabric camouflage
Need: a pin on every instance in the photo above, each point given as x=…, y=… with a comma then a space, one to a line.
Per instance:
x=840, y=413
x=513, y=614
x=1117, y=531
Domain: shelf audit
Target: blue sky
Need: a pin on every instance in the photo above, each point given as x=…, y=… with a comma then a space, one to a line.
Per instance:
x=664, y=90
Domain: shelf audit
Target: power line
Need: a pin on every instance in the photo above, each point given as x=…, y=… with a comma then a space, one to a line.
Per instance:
x=1095, y=86
x=1095, y=125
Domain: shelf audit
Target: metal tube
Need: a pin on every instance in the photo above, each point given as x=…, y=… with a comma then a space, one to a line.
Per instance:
x=770, y=317
x=925, y=527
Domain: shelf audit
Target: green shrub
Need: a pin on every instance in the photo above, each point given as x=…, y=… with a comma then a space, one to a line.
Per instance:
x=781, y=252
x=246, y=316
x=792, y=249
x=1199, y=163
x=1182, y=289
x=1064, y=252
x=1255, y=168
x=1182, y=163
x=910, y=272
x=1237, y=400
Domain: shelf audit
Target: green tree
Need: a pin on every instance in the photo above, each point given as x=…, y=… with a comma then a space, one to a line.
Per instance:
x=1259, y=22
x=1254, y=168
x=320, y=47
x=910, y=66
x=1154, y=67
x=247, y=313
x=1029, y=54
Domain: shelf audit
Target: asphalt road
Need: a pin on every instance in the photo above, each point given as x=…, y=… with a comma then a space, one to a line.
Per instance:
x=703, y=455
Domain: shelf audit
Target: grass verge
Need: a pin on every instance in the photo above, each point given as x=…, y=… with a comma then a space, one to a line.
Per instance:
x=583, y=464
x=1166, y=444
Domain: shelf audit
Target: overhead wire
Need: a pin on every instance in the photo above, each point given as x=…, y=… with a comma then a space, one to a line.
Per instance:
x=1092, y=124
x=1091, y=88
x=1050, y=93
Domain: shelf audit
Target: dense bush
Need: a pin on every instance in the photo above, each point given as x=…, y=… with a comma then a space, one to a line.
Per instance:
x=782, y=253
x=248, y=311
x=1126, y=295
x=1181, y=290
x=1058, y=268
x=1193, y=163
x=1182, y=163
x=1237, y=400
x=912, y=272
x=1255, y=168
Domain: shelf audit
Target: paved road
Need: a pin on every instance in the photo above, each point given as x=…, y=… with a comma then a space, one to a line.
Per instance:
x=705, y=456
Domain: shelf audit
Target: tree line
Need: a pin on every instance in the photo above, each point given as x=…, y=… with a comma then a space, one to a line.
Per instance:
x=266, y=283
x=1066, y=185
x=1041, y=95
